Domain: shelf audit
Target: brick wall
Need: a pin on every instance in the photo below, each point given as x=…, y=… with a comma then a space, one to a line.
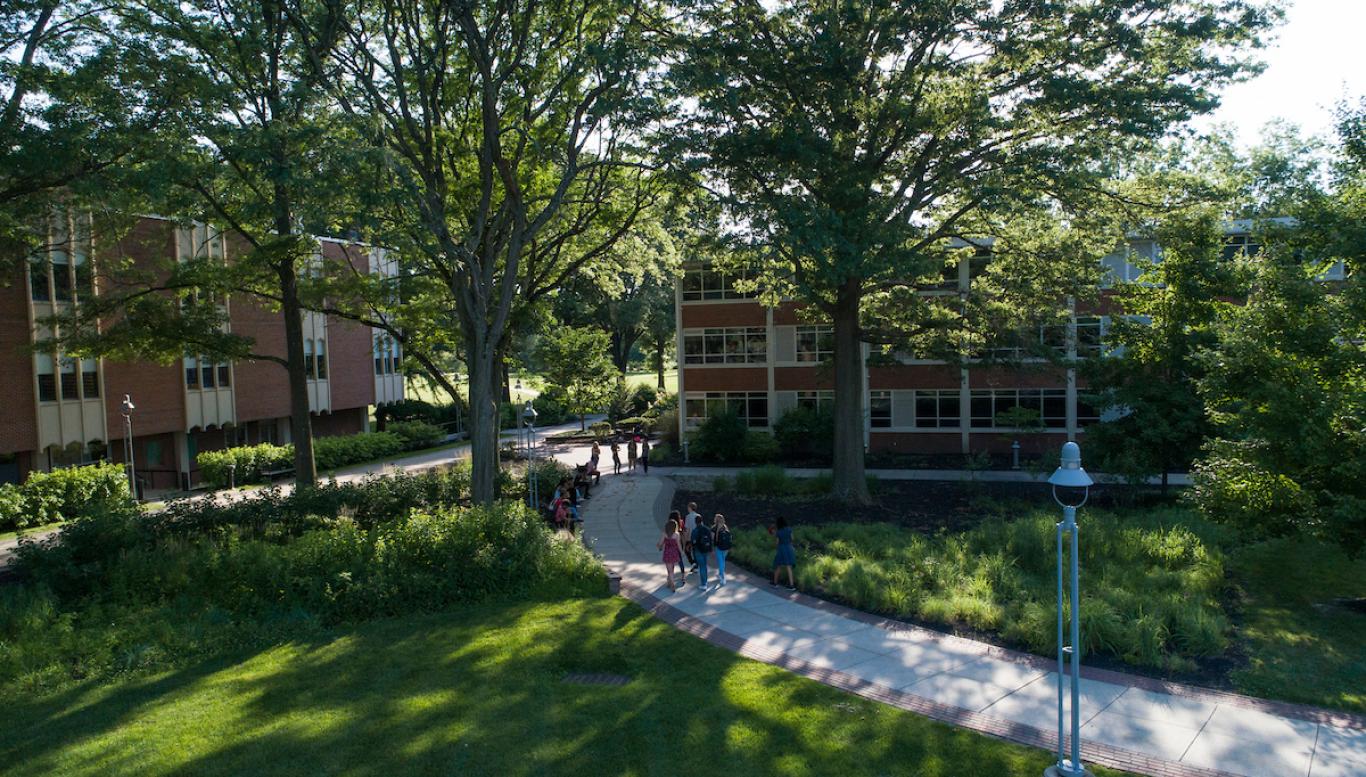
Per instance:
x=262, y=388
x=18, y=426
x=350, y=421
x=727, y=314
x=351, y=364
x=726, y=379
x=818, y=378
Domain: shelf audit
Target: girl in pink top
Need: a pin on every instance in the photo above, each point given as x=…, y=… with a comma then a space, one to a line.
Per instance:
x=673, y=550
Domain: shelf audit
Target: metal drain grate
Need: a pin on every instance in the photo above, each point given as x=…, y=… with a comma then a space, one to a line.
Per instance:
x=581, y=678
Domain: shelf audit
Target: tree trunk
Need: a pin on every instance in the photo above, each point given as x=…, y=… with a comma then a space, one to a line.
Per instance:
x=850, y=483
x=483, y=425
x=659, y=364
x=507, y=379
x=300, y=423
x=621, y=344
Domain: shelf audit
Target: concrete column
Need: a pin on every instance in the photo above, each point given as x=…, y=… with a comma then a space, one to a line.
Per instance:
x=1071, y=371
x=678, y=350
x=771, y=338
x=866, y=400
x=180, y=441
x=964, y=411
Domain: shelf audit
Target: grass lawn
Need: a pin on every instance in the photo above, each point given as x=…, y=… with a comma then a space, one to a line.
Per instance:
x=652, y=380
x=478, y=691
x=17, y=533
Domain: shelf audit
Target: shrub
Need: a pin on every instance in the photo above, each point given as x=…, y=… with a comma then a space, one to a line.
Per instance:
x=667, y=424
x=334, y=452
x=806, y=433
x=630, y=424
x=642, y=397
x=551, y=407
x=61, y=495
x=1231, y=487
x=250, y=461
x=600, y=429
x=417, y=434
x=760, y=447
x=721, y=438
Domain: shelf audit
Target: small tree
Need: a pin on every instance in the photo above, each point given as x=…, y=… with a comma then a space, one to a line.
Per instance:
x=576, y=361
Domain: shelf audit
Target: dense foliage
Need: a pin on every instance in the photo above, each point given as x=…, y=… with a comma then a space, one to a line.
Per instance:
x=329, y=452
x=124, y=591
x=61, y=495
x=1154, y=580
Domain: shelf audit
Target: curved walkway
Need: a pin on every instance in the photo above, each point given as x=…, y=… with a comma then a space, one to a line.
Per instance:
x=1132, y=723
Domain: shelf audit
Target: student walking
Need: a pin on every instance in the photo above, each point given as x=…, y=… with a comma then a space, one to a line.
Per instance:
x=645, y=454
x=693, y=518
x=616, y=458
x=701, y=548
x=631, y=455
x=721, y=541
x=672, y=551
x=786, y=556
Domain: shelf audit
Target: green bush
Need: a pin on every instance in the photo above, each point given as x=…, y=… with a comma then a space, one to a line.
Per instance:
x=667, y=424
x=642, y=398
x=1231, y=487
x=416, y=434
x=630, y=423
x=806, y=433
x=551, y=407
x=600, y=429
x=61, y=495
x=178, y=599
x=721, y=438
x=760, y=447
x=250, y=461
x=1155, y=579
x=334, y=452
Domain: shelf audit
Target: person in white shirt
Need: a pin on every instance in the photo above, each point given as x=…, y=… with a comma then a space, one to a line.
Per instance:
x=690, y=522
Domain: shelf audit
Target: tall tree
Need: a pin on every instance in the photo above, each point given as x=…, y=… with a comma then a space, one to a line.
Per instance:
x=852, y=140
x=509, y=130
x=576, y=363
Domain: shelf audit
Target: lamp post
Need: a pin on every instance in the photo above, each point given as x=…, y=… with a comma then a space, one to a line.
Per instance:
x=532, y=486
x=1071, y=485
x=128, y=408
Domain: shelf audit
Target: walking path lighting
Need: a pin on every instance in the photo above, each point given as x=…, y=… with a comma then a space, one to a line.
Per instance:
x=1071, y=485
x=529, y=420
x=128, y=408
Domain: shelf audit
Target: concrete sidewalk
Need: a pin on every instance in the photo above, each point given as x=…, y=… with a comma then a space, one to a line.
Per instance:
x=1129, y=722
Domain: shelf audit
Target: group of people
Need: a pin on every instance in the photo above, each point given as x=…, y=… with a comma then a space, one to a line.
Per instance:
x=687, y=538
x=637, y=454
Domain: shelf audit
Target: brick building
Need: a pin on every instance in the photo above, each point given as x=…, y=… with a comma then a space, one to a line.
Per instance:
x=760, y=362
x=64, y=412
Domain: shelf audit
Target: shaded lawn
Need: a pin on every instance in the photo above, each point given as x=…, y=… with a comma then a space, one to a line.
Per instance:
x=478, y=691
x=1300, y=646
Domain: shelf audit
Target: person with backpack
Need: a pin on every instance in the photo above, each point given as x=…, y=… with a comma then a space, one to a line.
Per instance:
x=693, y=518
x=702, y=544
x=721, y=541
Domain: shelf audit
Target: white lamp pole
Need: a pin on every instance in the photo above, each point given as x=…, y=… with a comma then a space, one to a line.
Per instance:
x=128, y=408
x=1071, y=485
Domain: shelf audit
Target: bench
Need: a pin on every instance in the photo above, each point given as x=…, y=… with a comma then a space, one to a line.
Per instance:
x=271, y=474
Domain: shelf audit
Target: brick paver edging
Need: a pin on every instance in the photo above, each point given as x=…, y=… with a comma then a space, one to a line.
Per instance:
x=1093, y=752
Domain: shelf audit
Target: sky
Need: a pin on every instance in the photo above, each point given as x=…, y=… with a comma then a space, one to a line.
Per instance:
x=1317, y=58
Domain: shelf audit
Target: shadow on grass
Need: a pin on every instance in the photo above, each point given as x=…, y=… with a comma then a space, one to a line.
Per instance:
x=478, y=691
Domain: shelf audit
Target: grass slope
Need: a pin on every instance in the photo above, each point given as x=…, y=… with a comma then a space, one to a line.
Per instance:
x=478, y=691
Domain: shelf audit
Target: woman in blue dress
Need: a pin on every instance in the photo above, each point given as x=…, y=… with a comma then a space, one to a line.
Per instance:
x=786, y=557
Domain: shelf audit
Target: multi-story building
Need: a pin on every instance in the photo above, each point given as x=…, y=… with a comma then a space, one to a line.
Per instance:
x=738, y=355
x=64, y=412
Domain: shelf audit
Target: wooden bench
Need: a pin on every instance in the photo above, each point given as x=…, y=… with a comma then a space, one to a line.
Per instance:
x=271, y=474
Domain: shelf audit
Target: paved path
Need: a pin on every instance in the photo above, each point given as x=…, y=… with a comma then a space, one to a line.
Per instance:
x=1129, y=722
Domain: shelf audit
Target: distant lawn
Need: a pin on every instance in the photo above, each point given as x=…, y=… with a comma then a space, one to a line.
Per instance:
x=478, y=692
x=652, y=380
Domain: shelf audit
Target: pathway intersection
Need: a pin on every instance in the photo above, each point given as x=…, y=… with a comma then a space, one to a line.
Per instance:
x=1129, y=722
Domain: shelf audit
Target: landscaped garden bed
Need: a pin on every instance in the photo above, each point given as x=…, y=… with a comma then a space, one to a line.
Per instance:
x=1165, y=592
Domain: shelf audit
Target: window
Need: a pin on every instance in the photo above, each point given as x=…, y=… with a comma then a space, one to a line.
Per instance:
x=987, y=404
x=816, y=400
x=937, y=409
x=191, y=373
x=1240, y=245
x=47, y=378
x=153, y=452
x=90, y=379
x=398, y=352
x=880, y=409
x=705, y=283
x=736, y=345
x=322, y=360
x=1090, y=331
x=71, y=384
x=815, y=343
x=61, y=276
x=750, y=406
x=310, y=363
x=38, y=280
x=379, y=354
x=224, y=375
x=206, y=367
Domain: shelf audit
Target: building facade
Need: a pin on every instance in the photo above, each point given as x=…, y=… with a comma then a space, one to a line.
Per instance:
x=737, y=355
x=66, y=412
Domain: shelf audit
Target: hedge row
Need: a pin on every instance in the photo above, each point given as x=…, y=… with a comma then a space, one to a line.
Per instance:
x=329, y=452
x=60, y=495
